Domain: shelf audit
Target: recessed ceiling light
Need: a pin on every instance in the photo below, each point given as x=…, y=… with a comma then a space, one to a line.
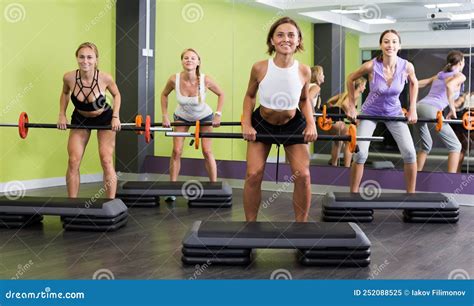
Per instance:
x=385, y=20
x=442, y=5
x=462, y=16
x=357, y=11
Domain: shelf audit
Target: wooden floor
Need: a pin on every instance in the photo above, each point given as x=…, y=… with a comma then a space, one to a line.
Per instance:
x=149, y=247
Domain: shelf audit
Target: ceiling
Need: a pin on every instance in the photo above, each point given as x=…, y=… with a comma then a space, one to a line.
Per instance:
x=408, y=16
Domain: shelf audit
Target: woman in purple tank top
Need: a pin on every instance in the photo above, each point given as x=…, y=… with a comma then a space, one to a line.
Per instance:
x=388, y=74
x=445, y=89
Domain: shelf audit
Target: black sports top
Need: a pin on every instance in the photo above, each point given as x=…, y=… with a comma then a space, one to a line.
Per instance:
x=98, y=103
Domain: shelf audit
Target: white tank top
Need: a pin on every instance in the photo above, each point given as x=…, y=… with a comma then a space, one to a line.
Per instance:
x=314, y=101
x=281, y=88
x=189, y=108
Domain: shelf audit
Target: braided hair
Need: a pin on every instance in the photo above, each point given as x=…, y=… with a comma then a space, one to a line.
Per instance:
x=198, y=73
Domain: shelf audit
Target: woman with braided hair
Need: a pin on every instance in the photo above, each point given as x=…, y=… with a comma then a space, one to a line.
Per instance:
x=339, y=104
x=190, y=87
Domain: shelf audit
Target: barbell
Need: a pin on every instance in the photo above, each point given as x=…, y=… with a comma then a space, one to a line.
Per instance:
x=325, y=120
x=351, y=136
x=24, y=125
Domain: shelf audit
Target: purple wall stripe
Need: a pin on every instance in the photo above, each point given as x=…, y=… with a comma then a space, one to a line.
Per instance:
x=323, y=175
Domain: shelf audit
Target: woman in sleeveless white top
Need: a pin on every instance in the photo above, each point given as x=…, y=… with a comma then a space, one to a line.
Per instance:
x=282, y=84
x=190, y=87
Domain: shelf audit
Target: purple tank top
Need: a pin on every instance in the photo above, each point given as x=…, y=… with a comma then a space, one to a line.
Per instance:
x=383, y=100
x=437, y=96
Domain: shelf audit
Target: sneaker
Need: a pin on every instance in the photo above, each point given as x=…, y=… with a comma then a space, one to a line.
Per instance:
x=170, y=199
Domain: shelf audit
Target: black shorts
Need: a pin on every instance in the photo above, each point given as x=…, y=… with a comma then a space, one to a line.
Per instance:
x=208, y=118
x=295, y=126
x=104, y=119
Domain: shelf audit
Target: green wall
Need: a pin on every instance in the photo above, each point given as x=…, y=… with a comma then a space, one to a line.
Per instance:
x=352, y=54
x=37, y=44
x=230, y=37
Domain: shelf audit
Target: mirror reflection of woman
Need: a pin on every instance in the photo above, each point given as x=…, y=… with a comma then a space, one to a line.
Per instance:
x=317, y=79
x=190, y=86
x=339, y=104
x=387, y=76
x=463, y=104
x=445, y=89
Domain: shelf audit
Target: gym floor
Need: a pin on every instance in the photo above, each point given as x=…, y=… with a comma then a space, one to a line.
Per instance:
x=149, y=247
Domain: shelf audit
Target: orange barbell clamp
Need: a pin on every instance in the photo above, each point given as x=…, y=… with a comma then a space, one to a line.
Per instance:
x=196, y=134
x=138, y=124
x=324, y=122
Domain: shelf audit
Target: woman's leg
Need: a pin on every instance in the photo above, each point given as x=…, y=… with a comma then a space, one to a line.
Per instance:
x=106, y=141
x=76, y=145
x=336, y=129
x=424, y=111
x=402, y=136
x=366, y=128
x=347, y=151
x=298, y=156
x=257, y=153
x=209, y=160
x=175, y=160
x=454, y=146
x=460, y=161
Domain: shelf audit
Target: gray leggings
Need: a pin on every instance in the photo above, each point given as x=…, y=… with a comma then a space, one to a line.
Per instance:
x=400, y=133
x=447, y=134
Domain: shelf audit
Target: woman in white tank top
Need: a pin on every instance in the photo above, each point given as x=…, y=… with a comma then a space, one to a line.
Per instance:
x=190, y=86
x=282, y=85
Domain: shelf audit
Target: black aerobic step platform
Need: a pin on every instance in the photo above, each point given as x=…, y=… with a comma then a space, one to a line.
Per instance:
x=198, y=194
x=318, y=244
x=76, y=214
x=418, y=207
